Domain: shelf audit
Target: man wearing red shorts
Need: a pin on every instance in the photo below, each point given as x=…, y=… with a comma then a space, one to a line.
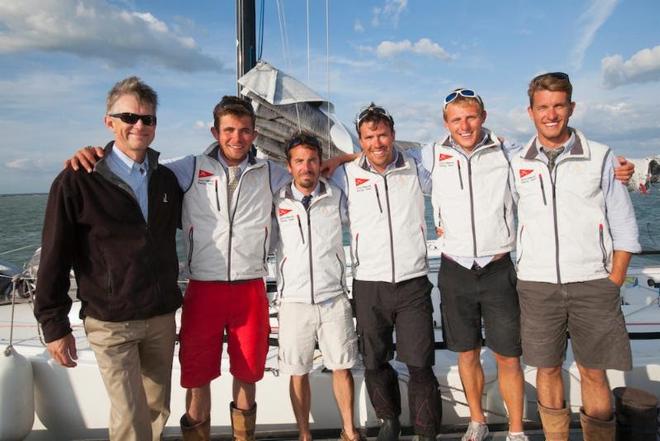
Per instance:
x=226, y=224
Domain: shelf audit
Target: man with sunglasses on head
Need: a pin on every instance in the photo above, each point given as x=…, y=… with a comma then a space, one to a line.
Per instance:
x=385, y=195
x=473, y=212
x=227, y=204
x=116, y=227
x=312, y=293
x=576, y=233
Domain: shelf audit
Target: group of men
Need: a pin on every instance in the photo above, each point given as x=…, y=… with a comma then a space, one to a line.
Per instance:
x=115, y=226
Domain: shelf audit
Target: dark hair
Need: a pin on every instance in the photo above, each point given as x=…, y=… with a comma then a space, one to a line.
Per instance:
x=233, y=105
x=552, y=81
x=373, y=114
x=132, y=86
x=302, y=138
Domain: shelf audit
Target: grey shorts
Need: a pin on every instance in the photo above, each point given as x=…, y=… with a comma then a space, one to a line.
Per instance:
x=301, y=326
x=590, y=312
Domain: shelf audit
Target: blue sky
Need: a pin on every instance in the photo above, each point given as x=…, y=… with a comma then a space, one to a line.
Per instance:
x=60, y=57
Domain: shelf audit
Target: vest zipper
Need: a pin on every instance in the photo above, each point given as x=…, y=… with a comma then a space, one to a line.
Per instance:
x=380, y=207
x=545, y=202
x=190, y=248
x=426, y=250
x=342, y=279
x=281, y=295
x=309, y=248
x=519, y=247
x=474, y=230
x=217, y=197
x=265, y=248
x=460, y=175
x=389, y=224
x=508, y=231
x=554, y=216
x=302, y=237
x=357, y=254
x=602, y=246
x=231, y=213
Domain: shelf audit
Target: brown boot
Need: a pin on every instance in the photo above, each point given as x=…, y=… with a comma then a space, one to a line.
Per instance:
x=555, y=423
x=195, y=432
x=597, y=430
x=243, y=422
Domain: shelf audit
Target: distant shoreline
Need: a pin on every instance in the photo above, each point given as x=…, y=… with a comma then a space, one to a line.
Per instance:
x=22, y=194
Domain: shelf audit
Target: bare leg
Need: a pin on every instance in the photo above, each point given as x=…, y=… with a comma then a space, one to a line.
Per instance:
x=301, y=400
x=550, y=387
x=243, y=394
x=342, y=386
x=596, y=397
x=512, y=386
x=198, y=404
x=472, y=377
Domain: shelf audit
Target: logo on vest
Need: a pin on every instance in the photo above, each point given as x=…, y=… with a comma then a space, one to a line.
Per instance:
x=444, y=157
x=204, y=174
x=526, y=175
x=283, y=211
x=285, y=214
x=444, y=160
x=360, y=181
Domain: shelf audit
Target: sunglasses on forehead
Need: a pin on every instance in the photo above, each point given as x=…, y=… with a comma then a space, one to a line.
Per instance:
x=371, y=109
x=465, y=93
x=555, y=75
x=133, y=118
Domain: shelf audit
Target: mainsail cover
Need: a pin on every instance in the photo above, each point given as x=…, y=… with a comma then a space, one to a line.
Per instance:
x=284, y=106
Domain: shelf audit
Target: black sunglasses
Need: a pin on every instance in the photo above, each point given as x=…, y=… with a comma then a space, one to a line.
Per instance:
x=371, y=109
x=132, y=118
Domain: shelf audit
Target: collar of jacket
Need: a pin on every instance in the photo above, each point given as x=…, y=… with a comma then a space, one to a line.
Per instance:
x=578, y=150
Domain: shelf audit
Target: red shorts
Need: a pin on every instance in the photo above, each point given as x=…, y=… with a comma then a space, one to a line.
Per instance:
x=211, y=308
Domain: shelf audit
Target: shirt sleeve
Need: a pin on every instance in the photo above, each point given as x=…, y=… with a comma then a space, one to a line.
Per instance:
x=183, y=168
x=620, y=211
x=423, y=173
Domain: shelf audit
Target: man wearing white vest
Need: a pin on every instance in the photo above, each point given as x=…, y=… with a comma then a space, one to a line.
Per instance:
x=473, y=210
x=390, y=286
x=576, y=233
x=312, y=294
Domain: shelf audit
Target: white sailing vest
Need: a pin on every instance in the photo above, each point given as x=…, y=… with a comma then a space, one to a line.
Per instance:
x=472, y=199
x=563, y=234
x=310, y=255
x=227, y=240
x=386, y=212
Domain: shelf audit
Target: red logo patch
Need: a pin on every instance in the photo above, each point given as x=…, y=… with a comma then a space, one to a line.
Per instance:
x=204, y=174
x=360, y=181
x=444, y=157
x=283, y=211
x=525, y=171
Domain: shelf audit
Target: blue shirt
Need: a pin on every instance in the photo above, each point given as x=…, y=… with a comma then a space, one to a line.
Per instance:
x=134, y=174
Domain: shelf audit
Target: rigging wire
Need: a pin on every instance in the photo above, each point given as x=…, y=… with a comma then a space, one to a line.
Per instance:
x=308, y=50
x=327, y=66
x=285, y=49
x=262, y=13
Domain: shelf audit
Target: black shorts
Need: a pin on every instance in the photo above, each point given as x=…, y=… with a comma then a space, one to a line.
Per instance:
x=406, y=307
x=469, y=295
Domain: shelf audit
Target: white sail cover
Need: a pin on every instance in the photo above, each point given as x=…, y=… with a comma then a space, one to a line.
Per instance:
x=284, y=106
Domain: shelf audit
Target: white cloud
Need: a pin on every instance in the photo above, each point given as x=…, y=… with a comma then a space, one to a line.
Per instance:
x=34, y=165
x=357, y=26
x=390, y=11
x=642, y=67
x=98, y=29
x=423, y=46
x=199, y=124
x=589, y=22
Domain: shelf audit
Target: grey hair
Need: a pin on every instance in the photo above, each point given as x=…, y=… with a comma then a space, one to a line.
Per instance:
x=132, y=86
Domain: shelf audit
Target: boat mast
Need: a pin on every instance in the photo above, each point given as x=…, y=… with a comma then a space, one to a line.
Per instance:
x=246, y=40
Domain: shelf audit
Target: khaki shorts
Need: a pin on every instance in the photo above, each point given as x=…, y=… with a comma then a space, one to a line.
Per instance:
x=301, y=326
x=590, y=312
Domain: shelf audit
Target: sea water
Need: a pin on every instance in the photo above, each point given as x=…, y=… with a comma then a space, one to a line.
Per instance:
x=22, y=219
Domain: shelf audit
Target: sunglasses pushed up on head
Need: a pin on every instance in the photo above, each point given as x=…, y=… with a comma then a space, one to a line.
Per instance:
x=465, y=93
x=371, y=109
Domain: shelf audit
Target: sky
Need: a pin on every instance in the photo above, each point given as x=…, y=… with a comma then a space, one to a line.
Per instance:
x=59, y=58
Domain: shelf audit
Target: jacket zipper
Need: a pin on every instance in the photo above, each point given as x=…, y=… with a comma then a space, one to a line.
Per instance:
x=302, y=237
x=380, y=207
x=602, y=246
x=545, y=202
x=554, y=216
x=389, y=224
x=265, y=247
x=460, y=175
x=190, y=248
x=426, y=250
x=357, y=255
x=474, y=229
x=506, y=224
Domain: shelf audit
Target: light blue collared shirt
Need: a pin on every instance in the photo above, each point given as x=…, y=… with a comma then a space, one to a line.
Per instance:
x=134, y=174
